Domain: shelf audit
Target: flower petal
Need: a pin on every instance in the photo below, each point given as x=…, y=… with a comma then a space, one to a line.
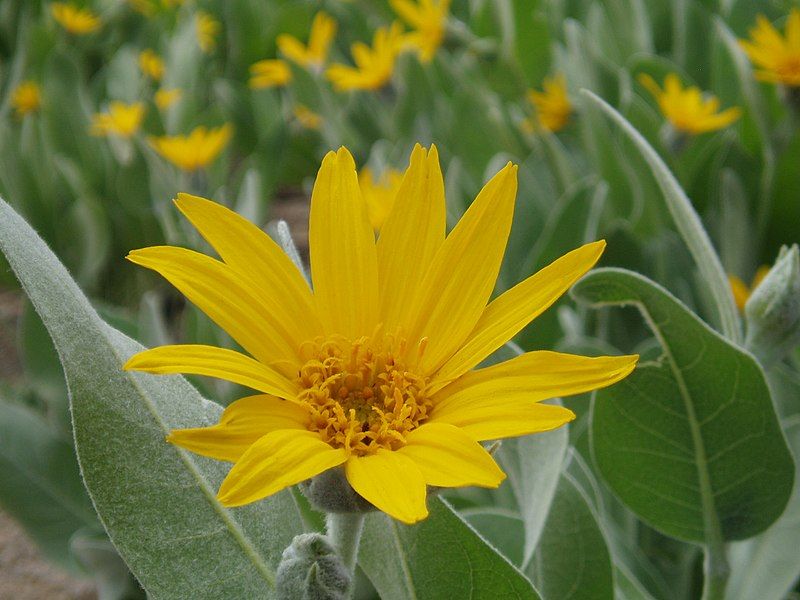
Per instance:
x=196, y=359
x=513, y=310
x=276, y=461
x=391, y=482
x=495, y=418
x=242, y=424
x=344, y=264
x=448, y=457
x=412, y=234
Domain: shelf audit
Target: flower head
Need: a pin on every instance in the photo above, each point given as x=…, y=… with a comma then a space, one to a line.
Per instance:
x=374, y=370
x=777, y=57
x=428, y=19
x=313, y=56
x=121, y=119
x=26, y=98
x=194, y=151
x=687, y=109
x=741, y=291
x=552, y=105
x=307, y=117
x=164, y=98
x=270, y=73
x=374, y=66
x=151, y=64
x=379, y=193
x=79, y=21
x=150, y=7
x=207, y=29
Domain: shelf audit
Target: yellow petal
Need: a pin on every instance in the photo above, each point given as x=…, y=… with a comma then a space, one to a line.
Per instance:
x=412, y=234
x=740, y=291
x=242, y=424
x=252, y=253
x=276, y=461
x=229, y=299
x=344, y=264
x=464, y=270
x=196, y=359
x=496, y=419
x=391, y=482
x=448, y=457
x=513, y=310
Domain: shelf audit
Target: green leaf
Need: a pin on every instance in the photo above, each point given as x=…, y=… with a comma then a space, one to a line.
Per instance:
x=572, y=558
x=441, y=557
x=690, y=443
x=157, y=502
x=501, y=527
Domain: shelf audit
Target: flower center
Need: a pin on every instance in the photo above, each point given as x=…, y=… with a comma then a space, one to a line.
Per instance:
x=360, y=395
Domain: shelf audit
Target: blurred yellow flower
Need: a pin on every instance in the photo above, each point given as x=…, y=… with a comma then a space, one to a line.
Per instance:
x=194, y=151
x=272, y=72
x=76, y=20
x=313, y=56
x=687, y=109
x=428, y=19
x=374, y=66
x=207, y=29
x=26, y=98
x=121, y=119
x=164, y=98
x=553, y=108
x=741, y=291
x=149, y=7
x=379, y=193
x=307, y=117
x=151, y=64
x=374, y=369
x=777, y=57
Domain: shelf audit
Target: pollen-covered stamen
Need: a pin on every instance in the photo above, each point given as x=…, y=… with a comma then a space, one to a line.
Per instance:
x=360, y=394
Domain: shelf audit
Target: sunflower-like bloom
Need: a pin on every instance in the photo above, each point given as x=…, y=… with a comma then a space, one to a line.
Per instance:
x=26, y=98
x=269, y=73
x=164, y=98
x=79, y=21
x=307, y=117
x=741, y=291
x=553, y=108
x=374, y=66
x=777, y=57
x=312, y=56
x=379, y=193
x=207, y=29
x=194, y=151
x=427, y=19
x=121, y=119
x=374, y=370
x=151, y=64
x=687, y=109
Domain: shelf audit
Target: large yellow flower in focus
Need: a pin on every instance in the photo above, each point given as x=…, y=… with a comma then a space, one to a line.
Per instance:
x=374, y=66
x=778, y=58
x=373, y=370
x=194, y=151
x=687, y=109
x=313, y=56
x=121, y=119
x=553, y=108
x=78, y=21
x=428, y=19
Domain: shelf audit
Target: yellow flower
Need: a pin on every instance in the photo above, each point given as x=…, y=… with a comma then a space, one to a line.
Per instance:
x=379, y=194
x=76, y=20
x=374, y=370
x=26, y=98
x=151, y=64
x=741, y=291
x=553, y=107
x=307, y=117
x=121, y=119
x=193, y=151
x=428, y=19
x=687, y=109
x=270, y=73
x=323, y=29
x=164, y=98
x=149, y=7
x=207, y=29
x=374, y=66
x=777, y=57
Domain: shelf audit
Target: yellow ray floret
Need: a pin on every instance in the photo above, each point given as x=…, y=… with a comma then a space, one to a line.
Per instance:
x=687, y=109
x=313, y=55
x=742, y=291
x=374, y=65
x=553, y=108
x=26, y=98
x=121, y=119
x=194, y=151
x=307, y=117
x=777, y=57
x=269, y=73
x=374, y=371
x=207, y=29
x=151, y=64
x=428, y=19
x=164, y=98
x=379, y=193
x=79, y=21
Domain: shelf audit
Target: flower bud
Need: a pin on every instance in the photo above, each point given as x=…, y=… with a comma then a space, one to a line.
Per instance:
x=773, y=310
x=330, y=492
x=310, y=569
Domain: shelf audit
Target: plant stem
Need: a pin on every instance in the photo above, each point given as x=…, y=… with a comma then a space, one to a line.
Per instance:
x=344, y=531
x=716, y=571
